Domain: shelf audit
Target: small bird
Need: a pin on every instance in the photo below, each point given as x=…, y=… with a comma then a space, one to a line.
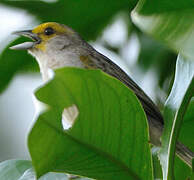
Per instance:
x=56, y=45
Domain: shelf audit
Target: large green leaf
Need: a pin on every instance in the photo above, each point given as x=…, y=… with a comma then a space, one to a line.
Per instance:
x=175, y=107
x=22, y=170
x=171, y=22
x=109, y=139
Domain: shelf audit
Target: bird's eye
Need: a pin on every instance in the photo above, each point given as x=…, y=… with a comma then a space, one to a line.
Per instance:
x=48, y=31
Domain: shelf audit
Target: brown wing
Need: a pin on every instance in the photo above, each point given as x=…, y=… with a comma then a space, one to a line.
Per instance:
x=106, y=65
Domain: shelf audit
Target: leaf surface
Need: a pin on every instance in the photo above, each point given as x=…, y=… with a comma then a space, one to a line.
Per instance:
x=175, y=108
x=171, y=22
x=109, y=139
x=22, y=170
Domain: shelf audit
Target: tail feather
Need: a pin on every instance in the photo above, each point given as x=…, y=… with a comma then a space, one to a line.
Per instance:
x=184, y=153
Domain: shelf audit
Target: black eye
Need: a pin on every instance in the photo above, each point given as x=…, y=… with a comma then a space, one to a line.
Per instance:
x=48, y=31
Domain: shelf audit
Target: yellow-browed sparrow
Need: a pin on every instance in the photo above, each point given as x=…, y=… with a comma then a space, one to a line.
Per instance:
x=56, y=45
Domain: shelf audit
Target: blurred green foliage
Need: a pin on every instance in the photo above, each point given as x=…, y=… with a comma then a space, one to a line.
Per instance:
x=23, y=170
x=170, y=22
x=14, y=61
x=156, y=55
x=86, y=17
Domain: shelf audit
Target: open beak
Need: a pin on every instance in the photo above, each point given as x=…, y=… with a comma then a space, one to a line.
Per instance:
x=26, y=45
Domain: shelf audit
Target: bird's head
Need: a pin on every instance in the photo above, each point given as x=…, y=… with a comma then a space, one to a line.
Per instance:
x=55, y=45
x=44, y=34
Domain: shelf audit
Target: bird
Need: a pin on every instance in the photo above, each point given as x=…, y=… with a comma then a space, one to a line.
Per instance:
x=56, y=45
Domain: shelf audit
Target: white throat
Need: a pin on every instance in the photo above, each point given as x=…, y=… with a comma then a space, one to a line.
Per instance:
x=51, y=60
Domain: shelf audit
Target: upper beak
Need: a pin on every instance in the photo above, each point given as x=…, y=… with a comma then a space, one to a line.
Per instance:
x=26, y=45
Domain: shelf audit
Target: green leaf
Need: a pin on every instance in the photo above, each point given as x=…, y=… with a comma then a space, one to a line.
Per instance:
x=109, y=139
x=13, y=169
x=155, y=55
x=156, y=164
x=186, y=133
x=171, y=22
x=175, y=108
x=182, y=170
x=22, y=170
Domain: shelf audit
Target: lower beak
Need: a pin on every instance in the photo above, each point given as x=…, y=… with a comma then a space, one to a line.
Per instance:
x=26, y=45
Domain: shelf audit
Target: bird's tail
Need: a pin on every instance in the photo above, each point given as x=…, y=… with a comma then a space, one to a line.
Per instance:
x=184, y=153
